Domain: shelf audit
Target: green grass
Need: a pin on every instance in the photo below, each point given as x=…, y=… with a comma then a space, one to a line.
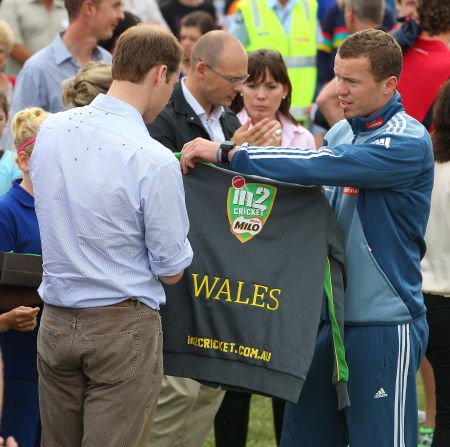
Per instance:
x=420, y=395
x=261, y=432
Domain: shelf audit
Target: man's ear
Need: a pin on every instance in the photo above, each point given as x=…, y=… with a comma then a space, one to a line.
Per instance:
x=390, y=85
x=88, y=8
x=201, y=68
x=161, y=74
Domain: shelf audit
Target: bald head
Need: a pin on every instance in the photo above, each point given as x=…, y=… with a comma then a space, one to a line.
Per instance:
x=211, y=46
x=217, y=70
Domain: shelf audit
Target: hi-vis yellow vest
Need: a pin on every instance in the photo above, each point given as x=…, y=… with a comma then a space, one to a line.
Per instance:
x=298, y=49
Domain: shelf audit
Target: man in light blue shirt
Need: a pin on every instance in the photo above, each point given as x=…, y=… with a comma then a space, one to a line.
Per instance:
x=39, y=83
x=113, y=224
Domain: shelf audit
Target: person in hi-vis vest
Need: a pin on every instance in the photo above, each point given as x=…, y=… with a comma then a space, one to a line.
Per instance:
x=290, y=27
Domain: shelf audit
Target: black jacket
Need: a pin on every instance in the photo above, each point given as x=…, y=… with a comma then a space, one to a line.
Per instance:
x=177, y=123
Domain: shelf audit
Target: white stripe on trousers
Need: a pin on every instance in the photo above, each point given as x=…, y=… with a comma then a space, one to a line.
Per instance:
x=401, y=382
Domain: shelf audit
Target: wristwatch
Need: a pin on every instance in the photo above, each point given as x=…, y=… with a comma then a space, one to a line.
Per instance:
x=225, y=149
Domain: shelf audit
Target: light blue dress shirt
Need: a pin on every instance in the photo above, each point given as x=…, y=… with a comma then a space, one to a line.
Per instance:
x=110, y=205
x=40, y=82
x=41, y=79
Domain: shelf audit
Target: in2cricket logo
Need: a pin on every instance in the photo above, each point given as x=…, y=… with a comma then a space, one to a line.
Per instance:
x=249, y=206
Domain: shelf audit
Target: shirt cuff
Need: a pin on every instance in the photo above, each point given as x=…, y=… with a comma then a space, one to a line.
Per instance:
x=175, y=264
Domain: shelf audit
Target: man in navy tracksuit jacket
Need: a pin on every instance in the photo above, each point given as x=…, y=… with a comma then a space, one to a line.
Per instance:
x=379, y=162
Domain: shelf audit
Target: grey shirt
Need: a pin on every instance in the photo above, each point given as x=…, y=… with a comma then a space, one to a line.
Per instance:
x=33, y=25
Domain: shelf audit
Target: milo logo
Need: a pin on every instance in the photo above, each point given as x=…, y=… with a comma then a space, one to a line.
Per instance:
x=249, y=206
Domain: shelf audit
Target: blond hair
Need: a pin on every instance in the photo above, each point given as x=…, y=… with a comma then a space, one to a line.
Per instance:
x=92, y=79
x=6, y=36
x=25, y=125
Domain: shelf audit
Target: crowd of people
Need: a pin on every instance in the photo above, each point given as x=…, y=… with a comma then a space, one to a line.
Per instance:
x=97, y=95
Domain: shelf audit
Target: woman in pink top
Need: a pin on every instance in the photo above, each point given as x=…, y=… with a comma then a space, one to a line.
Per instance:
x=267, y=94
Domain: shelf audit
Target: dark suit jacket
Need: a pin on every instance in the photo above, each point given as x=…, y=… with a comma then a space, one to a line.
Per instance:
x=177, y=123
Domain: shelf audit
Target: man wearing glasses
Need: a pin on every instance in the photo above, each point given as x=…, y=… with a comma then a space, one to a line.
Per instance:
x=198, y=107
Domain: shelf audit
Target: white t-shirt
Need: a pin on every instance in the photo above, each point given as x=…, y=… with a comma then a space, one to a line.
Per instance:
x=436, y=263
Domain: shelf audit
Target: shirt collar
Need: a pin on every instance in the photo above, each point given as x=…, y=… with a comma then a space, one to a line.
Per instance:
x=290, y=130
x=115, y=106
x=196, y=107
x=275, y=5
x=62, y=53
x=60, y=50
x=379, y=118
x=22, y=196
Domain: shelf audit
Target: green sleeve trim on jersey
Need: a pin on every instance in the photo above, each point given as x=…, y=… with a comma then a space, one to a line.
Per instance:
x=339, y=350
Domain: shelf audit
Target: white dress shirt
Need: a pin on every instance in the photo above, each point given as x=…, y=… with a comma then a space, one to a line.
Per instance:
x=211, y=123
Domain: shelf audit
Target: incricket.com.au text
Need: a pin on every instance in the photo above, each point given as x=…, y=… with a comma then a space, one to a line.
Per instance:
x=225, y=346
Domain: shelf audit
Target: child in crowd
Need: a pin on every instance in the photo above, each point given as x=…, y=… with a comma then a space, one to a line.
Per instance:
x=19, y=233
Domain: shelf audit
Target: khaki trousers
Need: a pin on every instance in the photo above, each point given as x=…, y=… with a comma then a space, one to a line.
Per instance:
x=185, y=413
x=100, y=372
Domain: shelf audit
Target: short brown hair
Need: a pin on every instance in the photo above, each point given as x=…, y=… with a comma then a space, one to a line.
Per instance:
x=142, y=47
x=441, y=130
x=384, y=53
x=434, y=16
x=199, y=19
x=74, y=7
